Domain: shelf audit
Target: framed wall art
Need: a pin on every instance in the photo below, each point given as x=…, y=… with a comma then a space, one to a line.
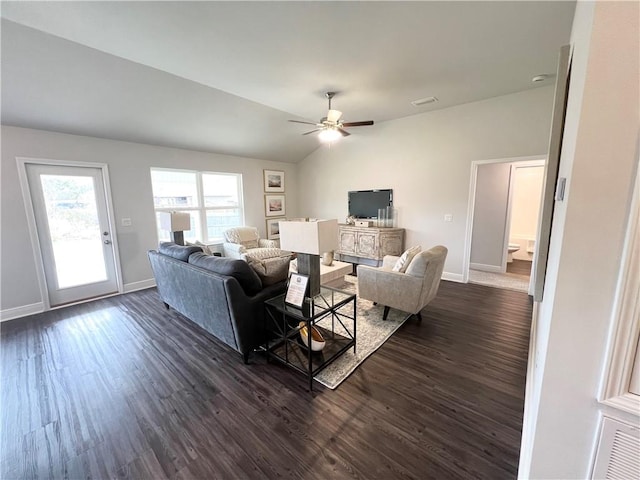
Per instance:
x=273, y=228
x=273, y=181
x=274, y=205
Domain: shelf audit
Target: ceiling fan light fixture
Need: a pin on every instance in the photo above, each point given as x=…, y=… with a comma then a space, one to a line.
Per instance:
x=334, y=116
x=329, y=135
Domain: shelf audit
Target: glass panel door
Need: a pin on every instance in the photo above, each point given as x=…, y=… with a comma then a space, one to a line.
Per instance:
x=70, y=210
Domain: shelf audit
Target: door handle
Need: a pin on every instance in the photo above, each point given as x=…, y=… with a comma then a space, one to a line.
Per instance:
x=107, y=242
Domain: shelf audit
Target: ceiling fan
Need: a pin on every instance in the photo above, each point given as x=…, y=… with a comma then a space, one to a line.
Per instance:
x=332, y=127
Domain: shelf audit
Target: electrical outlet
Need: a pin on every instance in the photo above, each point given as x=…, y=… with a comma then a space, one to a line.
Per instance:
x=448, y=217
x=126, y=222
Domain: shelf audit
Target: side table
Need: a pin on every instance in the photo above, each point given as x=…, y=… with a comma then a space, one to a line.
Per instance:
x=333, y=312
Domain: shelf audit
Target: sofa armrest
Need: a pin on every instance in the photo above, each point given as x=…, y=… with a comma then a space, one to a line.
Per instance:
x=392, y=289
x=389, y=261
x=247, y=313
x=233, y=250
x=264, y=243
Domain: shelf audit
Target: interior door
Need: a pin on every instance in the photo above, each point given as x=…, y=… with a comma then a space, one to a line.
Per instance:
x=72, y=222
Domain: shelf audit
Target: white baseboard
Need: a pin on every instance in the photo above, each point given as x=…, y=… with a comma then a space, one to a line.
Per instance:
x=141, y=285
x=23, y=311
x=452, y=277
x=531, y=402
x=486, y=268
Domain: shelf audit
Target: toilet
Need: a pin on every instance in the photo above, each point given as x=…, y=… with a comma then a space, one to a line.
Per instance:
x=513, y=247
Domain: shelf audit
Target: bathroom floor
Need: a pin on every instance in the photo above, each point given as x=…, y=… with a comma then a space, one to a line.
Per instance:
x=519, y=267
x=516, y=278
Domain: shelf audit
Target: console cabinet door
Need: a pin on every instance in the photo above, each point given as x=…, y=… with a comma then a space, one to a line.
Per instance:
x=391, y=243
x=367, y=245
x=348, y=242
x=370, y=242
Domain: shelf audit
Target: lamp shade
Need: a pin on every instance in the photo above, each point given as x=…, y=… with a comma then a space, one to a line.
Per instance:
x=313, y=238
x=175, y=221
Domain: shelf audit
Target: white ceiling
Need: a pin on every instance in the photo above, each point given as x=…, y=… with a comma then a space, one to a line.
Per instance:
x=225, y=76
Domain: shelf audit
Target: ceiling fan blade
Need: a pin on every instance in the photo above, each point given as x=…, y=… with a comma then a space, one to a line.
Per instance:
x=306, y=123
x=334, y=115
x=343, y=132
x=358, y=124
x=311, y=131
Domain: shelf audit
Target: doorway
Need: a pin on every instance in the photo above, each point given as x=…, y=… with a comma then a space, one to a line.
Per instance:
x=504, y=206
x=71, y=230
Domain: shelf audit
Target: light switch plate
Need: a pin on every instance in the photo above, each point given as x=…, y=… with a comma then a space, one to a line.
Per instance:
x=562, y=182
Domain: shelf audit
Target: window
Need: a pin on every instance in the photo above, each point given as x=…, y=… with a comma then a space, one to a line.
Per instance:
x=214, y=201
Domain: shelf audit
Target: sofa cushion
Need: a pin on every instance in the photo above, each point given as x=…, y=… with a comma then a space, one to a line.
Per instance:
x=405, y=259
x=179, y=252
x=238, y=269
x=270, y=270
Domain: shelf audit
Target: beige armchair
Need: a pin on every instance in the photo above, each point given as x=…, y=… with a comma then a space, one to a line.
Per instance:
x=243, y=242
x=410, y=291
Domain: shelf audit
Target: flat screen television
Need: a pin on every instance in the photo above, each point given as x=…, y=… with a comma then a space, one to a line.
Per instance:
x=365, y=203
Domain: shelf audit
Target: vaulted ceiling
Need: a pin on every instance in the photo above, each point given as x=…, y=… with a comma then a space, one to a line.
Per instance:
x=226, y=76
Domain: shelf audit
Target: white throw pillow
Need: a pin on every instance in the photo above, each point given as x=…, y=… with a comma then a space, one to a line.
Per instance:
x=404, y=261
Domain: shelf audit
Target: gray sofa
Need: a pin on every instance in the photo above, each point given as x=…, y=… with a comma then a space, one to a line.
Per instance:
x=224, y=296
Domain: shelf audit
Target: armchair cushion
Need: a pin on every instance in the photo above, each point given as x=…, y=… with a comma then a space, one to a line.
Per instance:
x=264, y=253
x=245, y=236
x=240, y=270
x=389, y=288
x=233, y=250
x=405, y=259
x=244, y=243
x=264, y=243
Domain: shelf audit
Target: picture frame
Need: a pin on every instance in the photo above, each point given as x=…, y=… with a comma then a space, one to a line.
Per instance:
x=297, y=290
x=274, y=205
x=273, y=228
x=273, y=181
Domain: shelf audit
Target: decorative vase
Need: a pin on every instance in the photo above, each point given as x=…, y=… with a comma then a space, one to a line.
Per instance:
x=317, y=341
x=327, y=258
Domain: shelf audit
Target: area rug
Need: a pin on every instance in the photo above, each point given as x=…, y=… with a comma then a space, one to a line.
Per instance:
x=509, y=281
x=372, y=332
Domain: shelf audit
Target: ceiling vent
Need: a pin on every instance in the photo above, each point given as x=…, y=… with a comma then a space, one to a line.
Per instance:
x=424, y=101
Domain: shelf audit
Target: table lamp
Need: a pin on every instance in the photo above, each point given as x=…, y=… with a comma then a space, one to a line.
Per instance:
x=309, y=240
x=175, y=223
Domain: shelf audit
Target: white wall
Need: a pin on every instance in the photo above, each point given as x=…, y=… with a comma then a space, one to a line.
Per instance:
x=525, y=207
x=599, y=158
x=426, y=159
x=129, y=165
x=490, y=216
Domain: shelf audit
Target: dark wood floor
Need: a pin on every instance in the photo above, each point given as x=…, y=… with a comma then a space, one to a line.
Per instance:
x=122, y=388
x=519, y=267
